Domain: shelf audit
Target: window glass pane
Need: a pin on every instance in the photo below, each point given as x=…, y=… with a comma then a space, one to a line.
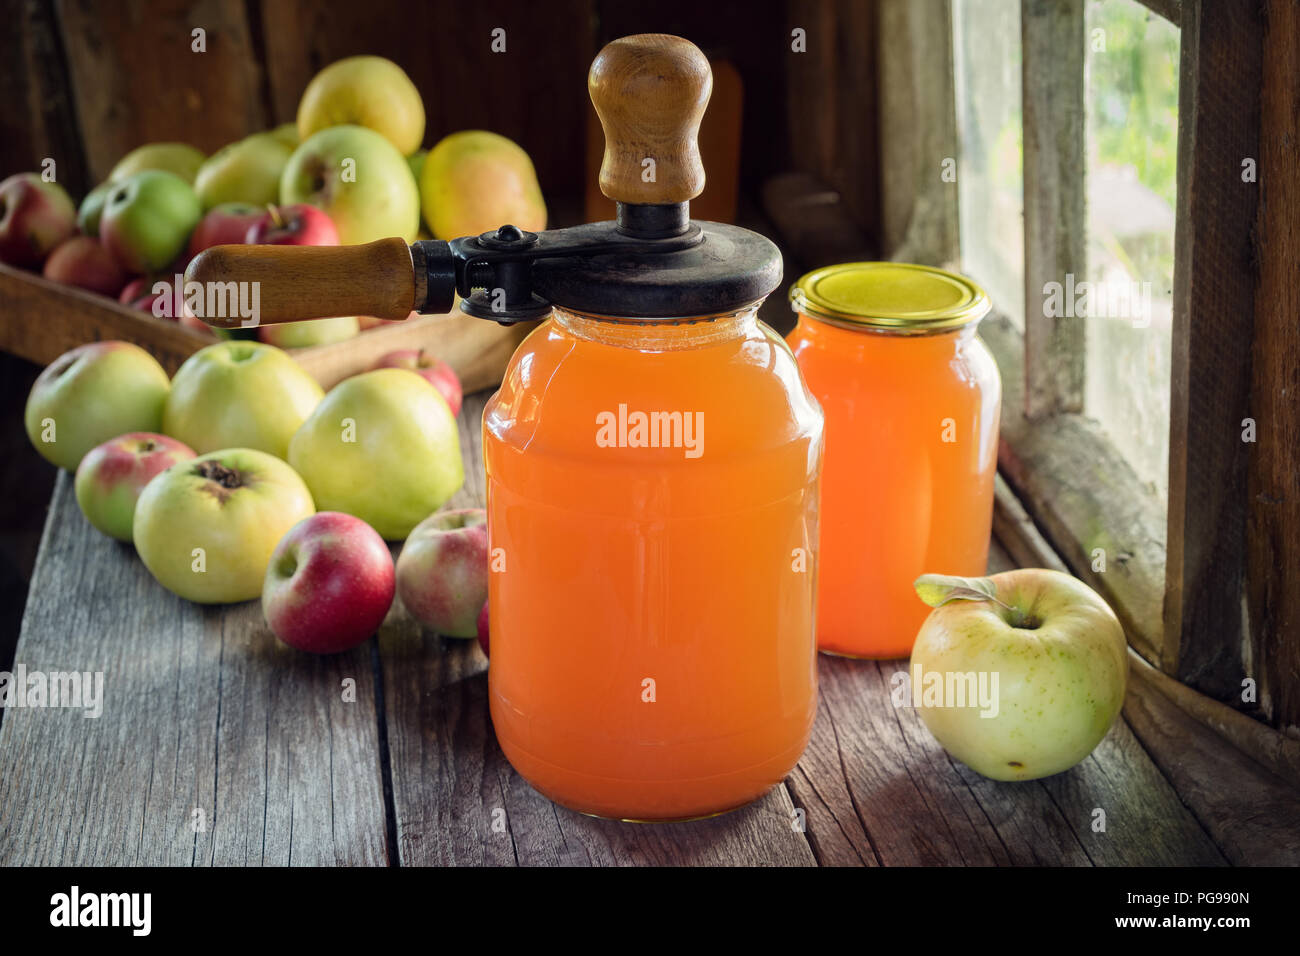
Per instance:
x=1132, y=158
x=990, y=179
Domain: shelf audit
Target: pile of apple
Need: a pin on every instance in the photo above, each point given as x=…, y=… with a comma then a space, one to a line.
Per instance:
x=217, y=475
x=350, y=170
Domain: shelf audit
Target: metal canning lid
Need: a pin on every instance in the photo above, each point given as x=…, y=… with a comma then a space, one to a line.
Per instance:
x=896, y=296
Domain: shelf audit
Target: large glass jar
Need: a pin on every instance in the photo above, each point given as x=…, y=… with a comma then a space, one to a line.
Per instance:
x=912, y=399
x=652, y=493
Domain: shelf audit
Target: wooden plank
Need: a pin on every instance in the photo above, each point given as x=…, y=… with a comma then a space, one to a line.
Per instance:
x=1252, y=814
x=202, y=710
x=1273, y=498
x=918, y=131
x=534, y=93
x=44, y=319
x=1213, y=325
x=1085, y=497
x=831, y=103
x=813, y=220
x=1052, y=34
x=1169, y=9
x=39, y=120
x=451, y=782
x=477, y=350
x=137, y=79
x=1016, y=532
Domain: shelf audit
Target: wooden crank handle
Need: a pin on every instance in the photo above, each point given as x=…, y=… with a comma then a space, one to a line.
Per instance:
x=650, y=92
x=291, y=283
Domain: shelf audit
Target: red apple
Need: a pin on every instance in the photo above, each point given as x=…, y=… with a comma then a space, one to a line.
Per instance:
x=299, y=225
x=442, y=572
x=140, y=293
x=329, y=584
x=35, y=217
x=136, y=289
x=483, y=628
x=112, y=475
x=433, y=370
x=223, y=225
x=85, y=263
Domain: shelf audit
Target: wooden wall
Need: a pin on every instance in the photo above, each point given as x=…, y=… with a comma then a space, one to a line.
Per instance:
x=94, y=78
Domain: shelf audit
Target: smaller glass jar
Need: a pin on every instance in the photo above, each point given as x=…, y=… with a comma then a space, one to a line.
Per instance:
x=911, y=399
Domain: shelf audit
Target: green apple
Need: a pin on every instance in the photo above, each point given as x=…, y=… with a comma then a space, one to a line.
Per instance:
x=247, y=171
x=301, y=335
x=416, y=162
x=359, y=179
x=206, y=528
x=382, y=446
x=287, y=133
x=92, y=394
x=147, y=220
x=92, y=208
x=365, y=91
x=239, y=395
x=181, y=159
x=1018, y=675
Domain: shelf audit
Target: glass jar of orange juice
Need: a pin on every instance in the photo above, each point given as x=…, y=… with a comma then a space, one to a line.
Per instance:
x=912, y=399
x=652, y=495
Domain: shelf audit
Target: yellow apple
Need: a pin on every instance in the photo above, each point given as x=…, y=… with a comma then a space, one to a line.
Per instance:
x=359, y=179
x=239, y=394
x=382, y=446
x=365, y=91
x=475, y=181
x=181, y=159
x=206, y=528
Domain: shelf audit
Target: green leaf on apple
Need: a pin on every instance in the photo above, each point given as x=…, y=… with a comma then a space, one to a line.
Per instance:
x=938, y=589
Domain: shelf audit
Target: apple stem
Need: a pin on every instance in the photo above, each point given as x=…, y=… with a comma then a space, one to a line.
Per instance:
x=275, y=215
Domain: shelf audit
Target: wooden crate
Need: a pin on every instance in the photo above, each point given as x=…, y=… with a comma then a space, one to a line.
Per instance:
x=40, y=320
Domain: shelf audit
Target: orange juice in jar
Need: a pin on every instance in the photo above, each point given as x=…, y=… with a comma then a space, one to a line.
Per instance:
x=912, y=399
x=652, y=507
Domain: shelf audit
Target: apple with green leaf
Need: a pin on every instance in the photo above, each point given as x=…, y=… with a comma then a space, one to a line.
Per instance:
x=1051, y=649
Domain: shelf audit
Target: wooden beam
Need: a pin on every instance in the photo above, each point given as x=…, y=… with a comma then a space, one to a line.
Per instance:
x=137, y=77
x=1171, y=10
x=918, y=131
x=1273, y=498
x=1053, y=40
x=1213, y=319
x=39, y=120
x=1100, y=517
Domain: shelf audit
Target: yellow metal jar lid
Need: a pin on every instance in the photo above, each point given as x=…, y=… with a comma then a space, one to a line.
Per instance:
x=895, y=296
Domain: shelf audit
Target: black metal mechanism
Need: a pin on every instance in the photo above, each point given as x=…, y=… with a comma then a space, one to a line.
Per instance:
x=651, y=263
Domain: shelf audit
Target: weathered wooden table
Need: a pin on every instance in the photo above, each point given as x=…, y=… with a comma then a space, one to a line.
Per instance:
x=219, y=745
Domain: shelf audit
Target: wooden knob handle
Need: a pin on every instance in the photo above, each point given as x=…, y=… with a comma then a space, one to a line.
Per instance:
x=306, y=282
x=650, y=92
